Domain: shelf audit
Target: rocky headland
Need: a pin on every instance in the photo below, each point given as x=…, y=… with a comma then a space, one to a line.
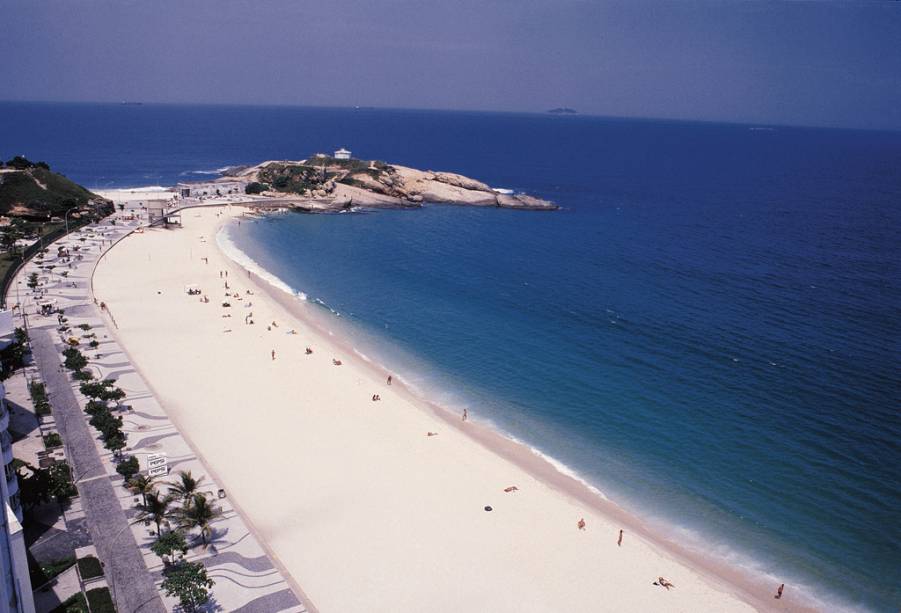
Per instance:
x=324, y=183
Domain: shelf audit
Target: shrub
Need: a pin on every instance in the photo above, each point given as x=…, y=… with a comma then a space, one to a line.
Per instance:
x=73, y=604
x=90, y=567
x=94, y=344
x=48, y=570
x=39, y=397
x=53, y=439
x=100, y=601
x=84, y=327
x=37, y=390
x=61, y=486
x=255, y=188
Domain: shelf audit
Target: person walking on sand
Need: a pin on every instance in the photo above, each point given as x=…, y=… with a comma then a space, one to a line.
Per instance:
x=581, y=524
x=273, y=355
x=779, y=591
x=619, y=543
x=465, y=414
x=389, y=379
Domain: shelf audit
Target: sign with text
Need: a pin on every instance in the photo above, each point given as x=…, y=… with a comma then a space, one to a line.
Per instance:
x=157, y=465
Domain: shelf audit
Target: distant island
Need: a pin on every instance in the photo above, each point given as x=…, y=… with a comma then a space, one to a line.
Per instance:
x=563, y=110
x=324, y=183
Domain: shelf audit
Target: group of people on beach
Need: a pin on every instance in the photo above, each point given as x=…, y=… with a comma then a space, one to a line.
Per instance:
x=581, y=524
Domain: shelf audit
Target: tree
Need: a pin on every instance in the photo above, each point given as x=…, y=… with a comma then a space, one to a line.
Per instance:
x=33, y=280
x=167, y=544
x=19, y=163
x=185, y=487
x=115, y=442
x=156, y=508
x=188, y=582
x=9, y=238
x=116, y=394
x=74, y=359
x=96, y=389
x=141, y=484
x=200, y=513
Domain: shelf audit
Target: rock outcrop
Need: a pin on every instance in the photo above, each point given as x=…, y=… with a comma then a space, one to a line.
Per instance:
x=325, y=183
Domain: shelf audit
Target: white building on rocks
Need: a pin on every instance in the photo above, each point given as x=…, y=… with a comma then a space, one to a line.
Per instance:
x=342, y=154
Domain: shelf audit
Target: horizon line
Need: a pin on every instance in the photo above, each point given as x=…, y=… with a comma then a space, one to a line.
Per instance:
x=546, y=113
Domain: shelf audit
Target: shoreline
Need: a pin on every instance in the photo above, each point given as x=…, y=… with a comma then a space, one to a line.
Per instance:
x=717, y=578
x=743, y=583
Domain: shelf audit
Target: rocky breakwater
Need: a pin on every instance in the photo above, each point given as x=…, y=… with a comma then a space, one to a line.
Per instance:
x=323, y=183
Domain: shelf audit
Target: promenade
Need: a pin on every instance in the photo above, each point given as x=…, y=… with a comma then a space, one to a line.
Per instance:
x=246, y=578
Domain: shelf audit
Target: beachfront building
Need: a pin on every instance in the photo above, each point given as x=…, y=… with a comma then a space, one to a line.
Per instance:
x=9, y=484
x=342, y=154
x=210, y=189
x=15, y=585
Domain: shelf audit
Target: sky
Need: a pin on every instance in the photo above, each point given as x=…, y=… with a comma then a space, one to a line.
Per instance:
x=799, y=63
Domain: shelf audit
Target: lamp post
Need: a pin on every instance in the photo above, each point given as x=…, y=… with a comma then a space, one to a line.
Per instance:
x=66, y=218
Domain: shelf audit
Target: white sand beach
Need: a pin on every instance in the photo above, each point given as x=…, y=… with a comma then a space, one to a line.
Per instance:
x=362, y=508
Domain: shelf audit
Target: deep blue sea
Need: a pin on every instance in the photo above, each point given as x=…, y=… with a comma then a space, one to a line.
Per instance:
x=709, y=331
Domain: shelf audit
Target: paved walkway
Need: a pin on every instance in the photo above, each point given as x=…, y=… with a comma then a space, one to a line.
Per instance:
x=133, y=587
x=246, y=577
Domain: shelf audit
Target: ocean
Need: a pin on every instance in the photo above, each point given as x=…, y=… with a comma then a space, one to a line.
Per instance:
x=708, y=331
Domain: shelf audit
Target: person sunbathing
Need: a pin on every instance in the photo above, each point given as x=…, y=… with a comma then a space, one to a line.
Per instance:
x=309, y=351
x=581, y=524
x=336, y=362
x=431, y=434
x=512, y=488
x=664, y=583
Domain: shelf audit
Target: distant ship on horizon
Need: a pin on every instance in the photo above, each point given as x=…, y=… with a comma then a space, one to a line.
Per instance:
x=563, y=110
x=128, y=103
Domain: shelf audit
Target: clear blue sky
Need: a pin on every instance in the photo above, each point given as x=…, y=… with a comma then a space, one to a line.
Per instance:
x=807, y=63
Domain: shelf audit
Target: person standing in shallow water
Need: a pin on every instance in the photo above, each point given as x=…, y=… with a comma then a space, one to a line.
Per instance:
x=779, y=591
x=465, y=414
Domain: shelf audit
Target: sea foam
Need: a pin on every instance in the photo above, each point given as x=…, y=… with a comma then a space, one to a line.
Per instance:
x=228, y=247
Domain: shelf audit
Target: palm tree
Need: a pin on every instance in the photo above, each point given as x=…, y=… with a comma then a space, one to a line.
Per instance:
x=199, y=512
x=155, y=508
x=143, y=485
x=186, y=486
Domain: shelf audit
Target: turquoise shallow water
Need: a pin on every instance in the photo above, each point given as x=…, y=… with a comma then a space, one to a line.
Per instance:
x=708, y=331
